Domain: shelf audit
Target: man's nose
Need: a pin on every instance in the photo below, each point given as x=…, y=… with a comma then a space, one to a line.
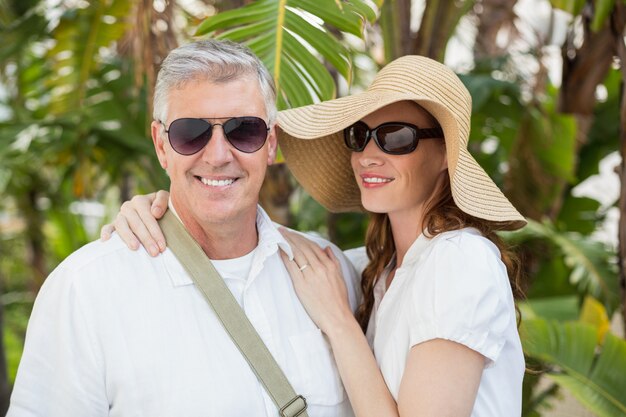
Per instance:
x=218, y=151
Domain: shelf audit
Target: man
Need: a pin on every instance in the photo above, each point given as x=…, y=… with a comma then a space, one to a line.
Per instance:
x=116, y=332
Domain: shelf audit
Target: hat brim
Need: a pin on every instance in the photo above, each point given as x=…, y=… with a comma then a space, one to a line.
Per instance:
x=311, y=140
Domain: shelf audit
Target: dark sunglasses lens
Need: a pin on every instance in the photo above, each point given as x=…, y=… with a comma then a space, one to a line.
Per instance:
x=188, y=136
x=355, y=136
x=397, y=139
x=247, y=134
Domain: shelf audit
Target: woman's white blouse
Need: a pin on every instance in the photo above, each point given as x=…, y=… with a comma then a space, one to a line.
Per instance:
x=455, y=287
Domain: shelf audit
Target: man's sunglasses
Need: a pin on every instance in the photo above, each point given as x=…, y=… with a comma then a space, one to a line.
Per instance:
x=189, y=136
x=395, y=138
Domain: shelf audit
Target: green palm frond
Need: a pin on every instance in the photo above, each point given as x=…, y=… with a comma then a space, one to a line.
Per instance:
x=573, y=7
x=602, y=10
x=595, y=375
x=80, y=37
x=591, y=264
x=292, y=36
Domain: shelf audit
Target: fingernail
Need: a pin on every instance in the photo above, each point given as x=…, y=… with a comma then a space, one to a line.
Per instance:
x=134, y=245
x=154, y=251
x=161, y=245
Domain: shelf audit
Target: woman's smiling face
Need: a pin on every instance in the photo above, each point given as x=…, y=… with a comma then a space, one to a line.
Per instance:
x=399, y=183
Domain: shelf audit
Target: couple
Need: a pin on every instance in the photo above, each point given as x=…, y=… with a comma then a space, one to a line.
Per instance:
x=117, y=332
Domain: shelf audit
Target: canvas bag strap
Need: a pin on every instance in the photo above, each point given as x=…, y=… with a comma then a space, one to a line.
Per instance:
x=232, y=316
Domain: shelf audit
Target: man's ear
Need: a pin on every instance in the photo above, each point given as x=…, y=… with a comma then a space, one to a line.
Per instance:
x=159, y=142
x=272, y=145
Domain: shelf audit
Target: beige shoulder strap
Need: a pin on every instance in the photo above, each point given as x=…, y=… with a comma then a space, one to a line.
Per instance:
x=233, y=318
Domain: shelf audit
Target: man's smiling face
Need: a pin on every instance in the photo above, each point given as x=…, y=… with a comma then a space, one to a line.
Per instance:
x=219, y=184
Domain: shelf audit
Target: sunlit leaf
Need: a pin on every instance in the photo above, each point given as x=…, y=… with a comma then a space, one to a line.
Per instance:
x=580, y=214
x=594, y=313
x=292, y=37
x=603, y=137
x=602, y=11
x=553, y=140
x=591, y=266
x=543, y=157
x=597, y=380
x=564, y=308
x=76, y=55
x=574, y=7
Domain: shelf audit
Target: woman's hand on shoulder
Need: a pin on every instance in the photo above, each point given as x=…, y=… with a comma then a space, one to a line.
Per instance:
x=318, y=281
x=136, y=222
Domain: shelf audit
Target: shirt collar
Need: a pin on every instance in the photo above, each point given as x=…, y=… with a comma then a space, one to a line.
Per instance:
x=270, y=241
x=422, y=242
x=416, y=249
x=269, y=237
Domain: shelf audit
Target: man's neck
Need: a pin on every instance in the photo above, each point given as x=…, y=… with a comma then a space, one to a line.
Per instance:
x=225, y=240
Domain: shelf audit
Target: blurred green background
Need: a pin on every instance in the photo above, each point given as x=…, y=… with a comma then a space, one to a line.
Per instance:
x=547, y=81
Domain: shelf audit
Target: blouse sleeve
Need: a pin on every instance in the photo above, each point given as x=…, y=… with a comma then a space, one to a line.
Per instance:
x=463, y=295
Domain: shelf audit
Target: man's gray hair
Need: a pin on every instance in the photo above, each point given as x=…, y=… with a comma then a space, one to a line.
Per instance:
x=215, y=61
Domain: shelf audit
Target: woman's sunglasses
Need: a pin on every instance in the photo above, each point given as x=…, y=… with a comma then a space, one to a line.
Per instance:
x=395, y=138
x=189, y=136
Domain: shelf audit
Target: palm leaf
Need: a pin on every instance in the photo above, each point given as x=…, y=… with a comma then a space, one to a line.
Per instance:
x=592, y=266
x=573, y=7
x=601, y=10
x=560, y=308
x=597, y=380
x=20, y=22
x=292, y=37
x=79, y=37
x=594, y=313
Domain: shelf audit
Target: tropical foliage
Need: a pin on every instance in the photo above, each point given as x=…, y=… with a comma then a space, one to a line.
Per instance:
x=289, y=36
x=75, y=88
x=581, y=356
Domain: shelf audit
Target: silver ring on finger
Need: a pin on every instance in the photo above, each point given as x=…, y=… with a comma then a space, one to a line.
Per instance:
x=303, y=267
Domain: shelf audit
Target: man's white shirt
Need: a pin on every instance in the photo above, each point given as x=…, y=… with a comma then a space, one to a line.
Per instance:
x=118, y=333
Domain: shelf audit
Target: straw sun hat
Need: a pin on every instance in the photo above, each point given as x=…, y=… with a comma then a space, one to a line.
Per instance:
x=311, y=139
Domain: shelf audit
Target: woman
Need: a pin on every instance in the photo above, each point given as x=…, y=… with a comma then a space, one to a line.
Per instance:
x=438, y=306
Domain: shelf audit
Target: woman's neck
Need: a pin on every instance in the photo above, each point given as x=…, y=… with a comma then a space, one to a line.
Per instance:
x=405, y=229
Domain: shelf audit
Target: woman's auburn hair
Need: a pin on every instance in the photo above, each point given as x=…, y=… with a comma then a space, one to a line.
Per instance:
x=442, y=215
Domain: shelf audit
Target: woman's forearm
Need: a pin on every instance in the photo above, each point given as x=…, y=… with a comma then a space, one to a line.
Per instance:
x=359, y=372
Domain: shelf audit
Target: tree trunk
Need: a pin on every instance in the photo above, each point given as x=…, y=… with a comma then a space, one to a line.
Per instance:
x=430, y=40
x=618, y=22
x=148, y=46
x=34, y=237
x=126, y=187
x=493, y=17
x=621, y=230
x=395, y=22
x=584, y=69
x=275, y=193
x=5, y=389
x=438, y=24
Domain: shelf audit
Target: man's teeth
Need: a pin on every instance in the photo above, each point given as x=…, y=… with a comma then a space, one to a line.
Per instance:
x=376, y=180
x=216, y=183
